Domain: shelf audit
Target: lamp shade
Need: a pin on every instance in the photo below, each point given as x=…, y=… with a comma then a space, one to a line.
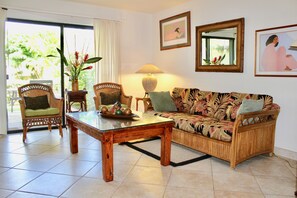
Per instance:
x=149, y=69
x=149, y=82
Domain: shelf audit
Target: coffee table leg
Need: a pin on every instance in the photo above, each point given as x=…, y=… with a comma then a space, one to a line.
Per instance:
x=166, y=146
x=73, y=138
x=107, y=157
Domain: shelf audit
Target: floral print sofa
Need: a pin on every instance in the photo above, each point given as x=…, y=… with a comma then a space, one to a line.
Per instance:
x=208, y=122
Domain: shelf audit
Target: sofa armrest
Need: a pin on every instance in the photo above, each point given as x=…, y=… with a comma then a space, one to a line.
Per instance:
x=254, y=119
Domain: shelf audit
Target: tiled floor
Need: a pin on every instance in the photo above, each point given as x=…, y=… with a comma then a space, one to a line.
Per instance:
x=44, y=167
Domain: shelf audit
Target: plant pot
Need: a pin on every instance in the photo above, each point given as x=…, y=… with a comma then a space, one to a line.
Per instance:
x=75, y=85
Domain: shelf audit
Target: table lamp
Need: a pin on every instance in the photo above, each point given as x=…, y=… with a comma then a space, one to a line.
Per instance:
x=149, y=82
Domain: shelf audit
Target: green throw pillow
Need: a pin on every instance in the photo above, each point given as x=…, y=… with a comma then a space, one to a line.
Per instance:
x=249, y=105
x=38, y=102
x=162, y=101
x=110, y=98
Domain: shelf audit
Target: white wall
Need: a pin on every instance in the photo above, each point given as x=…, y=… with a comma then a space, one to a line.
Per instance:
x=180, y=63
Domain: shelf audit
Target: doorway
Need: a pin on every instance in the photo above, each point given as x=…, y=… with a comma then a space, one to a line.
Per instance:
x=28, y=44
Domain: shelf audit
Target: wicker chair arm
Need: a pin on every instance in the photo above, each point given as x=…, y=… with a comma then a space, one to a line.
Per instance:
x=22, y=107
x=126, y=100
x=97, y=103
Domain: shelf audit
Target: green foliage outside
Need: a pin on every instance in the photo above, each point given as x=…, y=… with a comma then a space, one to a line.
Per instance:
x=26, y=56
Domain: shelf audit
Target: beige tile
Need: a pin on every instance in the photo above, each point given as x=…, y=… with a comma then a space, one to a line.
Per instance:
x=277, y=185
x=57, y=152
x=148, y=161
x=120, y=171
x=176, y=192
x=91, y=188
x=135, y=174
x=11, y=160
x=148, y=175
x=6, y=147
x=270, y=168
x=73, y=167
x=290, y=164
x=220, y=166
x=3, y=169
x=229, y=194
x=51, y=140
x=5, y=193
x=41, y=136
x=236, y=182
x=126, y=157
x=13, y=179
x=190, y=179
x=50, y=184
x=279, y=196
x=39, y=163
x=123, y=148
x=87, y=155
x=96, y=145
x=139, y=191
x=200, y=166
x=28, y=195
x=33, y=149
x=180, y=153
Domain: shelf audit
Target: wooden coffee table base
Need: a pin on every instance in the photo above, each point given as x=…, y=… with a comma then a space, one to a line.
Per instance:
x=108, y=138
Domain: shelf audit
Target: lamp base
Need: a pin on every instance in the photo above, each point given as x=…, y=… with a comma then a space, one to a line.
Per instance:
x=149, y=83
x=146, y=95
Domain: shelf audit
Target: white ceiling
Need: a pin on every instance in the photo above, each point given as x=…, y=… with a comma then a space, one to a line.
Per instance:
x=148, y=6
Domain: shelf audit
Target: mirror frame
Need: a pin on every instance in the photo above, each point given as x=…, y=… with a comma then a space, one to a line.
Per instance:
x=238, y=67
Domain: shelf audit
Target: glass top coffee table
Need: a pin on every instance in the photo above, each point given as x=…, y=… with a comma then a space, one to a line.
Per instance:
x=110, y=130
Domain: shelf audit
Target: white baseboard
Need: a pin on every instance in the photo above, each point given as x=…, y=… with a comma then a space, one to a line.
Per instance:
x=285, y=153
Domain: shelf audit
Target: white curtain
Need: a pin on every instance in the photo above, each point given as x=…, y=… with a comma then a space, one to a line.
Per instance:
x=3, y=109
x=107, y=46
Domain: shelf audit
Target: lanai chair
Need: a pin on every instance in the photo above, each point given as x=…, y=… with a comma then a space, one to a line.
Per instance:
x=39, y=106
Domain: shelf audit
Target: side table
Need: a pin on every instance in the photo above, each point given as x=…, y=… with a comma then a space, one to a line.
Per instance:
x=146, y=103
x=73, y=97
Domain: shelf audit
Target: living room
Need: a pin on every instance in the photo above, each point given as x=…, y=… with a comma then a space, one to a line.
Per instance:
x=140, y=44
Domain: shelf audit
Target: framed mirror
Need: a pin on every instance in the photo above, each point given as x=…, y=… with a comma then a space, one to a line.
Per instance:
x=220, y=46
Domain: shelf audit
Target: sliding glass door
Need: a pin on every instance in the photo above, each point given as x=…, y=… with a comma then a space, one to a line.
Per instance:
x=28, y=44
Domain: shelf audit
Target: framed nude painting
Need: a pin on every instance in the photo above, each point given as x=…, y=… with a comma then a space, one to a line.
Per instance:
x=276, y=51
x=175, y=31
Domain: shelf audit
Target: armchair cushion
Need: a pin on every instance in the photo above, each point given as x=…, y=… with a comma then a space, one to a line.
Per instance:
x=41, y=112
x=110, y=98
x=38, y=102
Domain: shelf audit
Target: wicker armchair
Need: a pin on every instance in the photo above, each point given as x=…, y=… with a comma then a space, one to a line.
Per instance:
x=109, y=87
x=38, y=117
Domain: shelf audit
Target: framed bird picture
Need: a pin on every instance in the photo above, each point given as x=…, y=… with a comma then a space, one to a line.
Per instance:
x=175, y=31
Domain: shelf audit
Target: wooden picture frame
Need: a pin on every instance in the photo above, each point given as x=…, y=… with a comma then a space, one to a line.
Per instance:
x=220, y=46
x=276, y=51
x=175, y=31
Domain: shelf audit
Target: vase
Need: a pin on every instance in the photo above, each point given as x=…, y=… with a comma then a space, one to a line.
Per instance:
x=75, y=85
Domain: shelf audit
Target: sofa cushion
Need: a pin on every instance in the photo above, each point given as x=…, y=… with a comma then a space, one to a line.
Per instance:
x=206, y=126
x=217, y=105
x=184, y=98
x=200, y=104
x=162, y=101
